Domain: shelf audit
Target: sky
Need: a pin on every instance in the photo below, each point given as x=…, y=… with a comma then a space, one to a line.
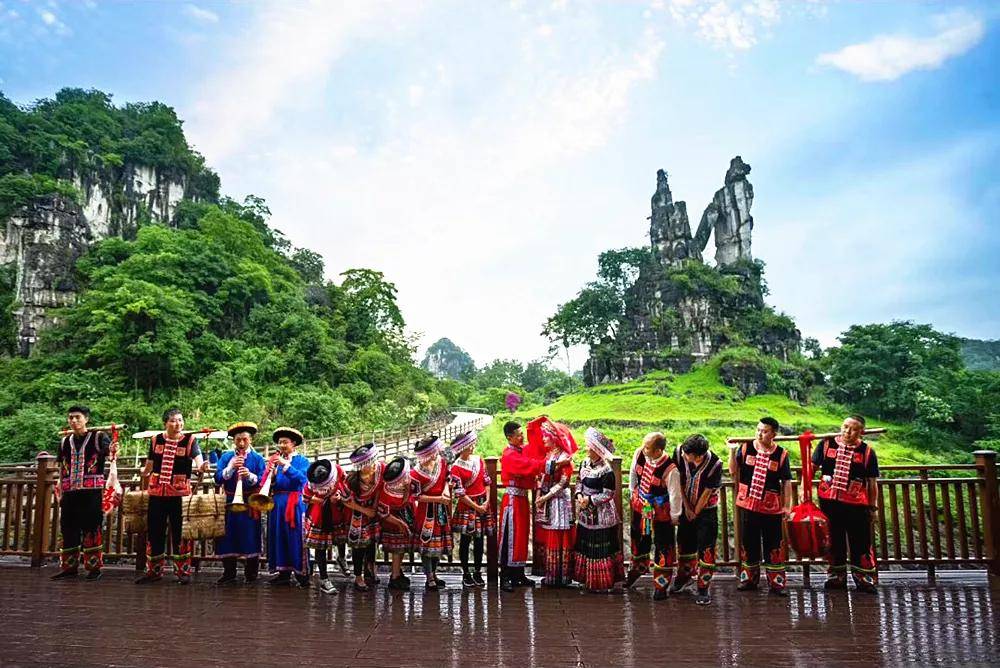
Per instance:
x=483, y=154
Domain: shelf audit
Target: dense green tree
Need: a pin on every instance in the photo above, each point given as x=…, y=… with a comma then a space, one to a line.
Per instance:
x=900, y=370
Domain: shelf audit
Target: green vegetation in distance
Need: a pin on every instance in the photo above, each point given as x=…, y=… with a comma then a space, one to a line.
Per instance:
x=697, y=402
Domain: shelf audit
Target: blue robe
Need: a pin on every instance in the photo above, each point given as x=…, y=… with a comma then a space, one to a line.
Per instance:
x=286, y=548
x=242, y=537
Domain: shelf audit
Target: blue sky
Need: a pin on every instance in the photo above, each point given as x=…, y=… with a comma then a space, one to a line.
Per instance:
x=483, y=154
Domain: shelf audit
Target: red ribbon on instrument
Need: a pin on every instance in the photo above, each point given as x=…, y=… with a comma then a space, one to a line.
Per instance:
x=805, y=452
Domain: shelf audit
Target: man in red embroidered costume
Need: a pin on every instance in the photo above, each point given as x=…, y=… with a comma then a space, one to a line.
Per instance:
x=518, y=472
x=764, y=498
x=655, y=498
x=701, y=477
x=848, y=495
x=81, y=486
x=173, y=456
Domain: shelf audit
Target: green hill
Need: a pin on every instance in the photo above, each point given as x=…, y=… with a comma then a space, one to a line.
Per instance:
x=697, y=402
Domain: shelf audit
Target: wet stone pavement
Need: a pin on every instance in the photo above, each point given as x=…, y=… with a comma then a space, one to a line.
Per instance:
x=116, y=623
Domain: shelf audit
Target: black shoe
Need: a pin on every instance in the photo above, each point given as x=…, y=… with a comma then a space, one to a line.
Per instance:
x=250, y=580
x=679, y=585
x=94, y=576
x=478, y=579
x=632, y=577
x=361, y=587
x=440, y=583
x=146, y=579
x=507, y=584
x=778, y=591
x=835, y=583
x=342, y=565
x=402, y=583
x=281, y=579
x=702, y=597
x=227, y=578
x=468, y=581
x=525, y=581
x=183, y=579
x=867, y=588
x=660, y=595
x=749, y=585
x=62, y=575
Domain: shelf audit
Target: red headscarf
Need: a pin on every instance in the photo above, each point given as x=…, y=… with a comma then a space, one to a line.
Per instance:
x=542, y=427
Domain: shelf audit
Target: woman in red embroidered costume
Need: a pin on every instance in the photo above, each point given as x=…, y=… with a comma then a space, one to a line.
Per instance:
x=365, y=487
x=554, y=523
x=848, y=495
x=764, y=498
x=81, y=484
x=473, y=519
x=173, y=456
x=326, y=518
x=395, y=509
x=598, y=562
x=431, y=520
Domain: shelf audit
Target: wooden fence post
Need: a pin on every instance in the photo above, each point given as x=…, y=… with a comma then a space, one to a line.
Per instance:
x=737, y=524
x=989, y=498
x=492, y=572
x=616, y=466
x=41, y=525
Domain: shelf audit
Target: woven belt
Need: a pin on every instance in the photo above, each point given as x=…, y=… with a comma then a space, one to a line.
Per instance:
x=517, y=491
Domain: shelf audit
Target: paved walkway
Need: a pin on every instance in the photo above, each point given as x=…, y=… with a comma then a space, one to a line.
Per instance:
x=116, y=623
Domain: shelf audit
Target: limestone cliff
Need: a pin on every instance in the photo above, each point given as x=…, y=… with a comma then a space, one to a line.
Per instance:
x=681, y=310
x=44, y=239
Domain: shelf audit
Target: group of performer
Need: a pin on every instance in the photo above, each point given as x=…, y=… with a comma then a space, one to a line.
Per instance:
x=417, y=505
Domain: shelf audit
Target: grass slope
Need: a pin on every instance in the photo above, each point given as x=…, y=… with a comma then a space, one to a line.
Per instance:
x=697, y=402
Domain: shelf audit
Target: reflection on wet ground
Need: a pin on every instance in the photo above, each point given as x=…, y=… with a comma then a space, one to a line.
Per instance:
x=115, y=622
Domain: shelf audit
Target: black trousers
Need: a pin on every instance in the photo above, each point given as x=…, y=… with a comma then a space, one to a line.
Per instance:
x=695, y=537
x=163, y=509
x=661, y=540
x=850, y=524
x=250, y=569
x=761, y=538
x=477, y=551
x=79, y=513
x=696, y=543
x=362, y=557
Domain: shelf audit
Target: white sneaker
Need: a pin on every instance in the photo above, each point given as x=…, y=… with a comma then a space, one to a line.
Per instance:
x=327, y=587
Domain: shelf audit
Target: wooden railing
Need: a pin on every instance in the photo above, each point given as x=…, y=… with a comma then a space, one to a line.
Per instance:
x=29, y=520
x=930, y=517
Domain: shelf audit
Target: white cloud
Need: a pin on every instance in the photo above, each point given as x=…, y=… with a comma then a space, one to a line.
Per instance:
x=200, y=14
x=451, y=195
x=284, y=58
x=888, y=57
x=52, y=22
x=724, y=24
x=935, y=231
